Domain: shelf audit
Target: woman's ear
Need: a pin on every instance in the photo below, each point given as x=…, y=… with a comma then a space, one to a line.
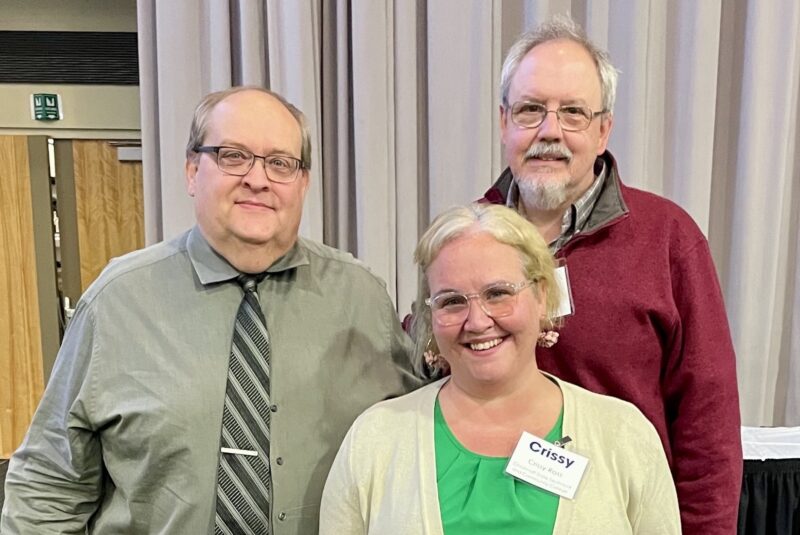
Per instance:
x=541, y=293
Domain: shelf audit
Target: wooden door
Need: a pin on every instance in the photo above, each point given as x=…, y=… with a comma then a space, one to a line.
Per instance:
x=100, y=208
x=27, y=282
x=109, y=204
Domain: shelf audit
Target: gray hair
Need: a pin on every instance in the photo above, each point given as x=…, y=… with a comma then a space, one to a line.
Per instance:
x=199, y=127
x=560, y=27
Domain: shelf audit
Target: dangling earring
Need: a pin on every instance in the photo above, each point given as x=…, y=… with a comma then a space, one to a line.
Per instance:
x=547, y=339
x=435, y=361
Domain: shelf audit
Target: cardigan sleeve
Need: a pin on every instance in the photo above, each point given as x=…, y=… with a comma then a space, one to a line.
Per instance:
x=340, y=511
x=657, y=505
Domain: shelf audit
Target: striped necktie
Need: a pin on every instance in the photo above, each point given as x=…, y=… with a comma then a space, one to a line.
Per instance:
x=244, y=482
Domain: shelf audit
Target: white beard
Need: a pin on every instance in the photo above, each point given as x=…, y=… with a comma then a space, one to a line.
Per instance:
x=546, y=193
x=540, y=194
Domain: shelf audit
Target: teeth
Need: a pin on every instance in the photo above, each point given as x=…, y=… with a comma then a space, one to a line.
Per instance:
x=483, y=346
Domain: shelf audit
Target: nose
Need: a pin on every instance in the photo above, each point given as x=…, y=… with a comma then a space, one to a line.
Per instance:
x=550, y=129
x=477, y=318
x=256, y=178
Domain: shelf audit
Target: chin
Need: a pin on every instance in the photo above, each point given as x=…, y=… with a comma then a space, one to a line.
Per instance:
x=255, y=238
x=543, y=194
x=488, y=373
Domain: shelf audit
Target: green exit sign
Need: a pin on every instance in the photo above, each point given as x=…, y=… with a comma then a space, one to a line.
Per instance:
x=46, y=106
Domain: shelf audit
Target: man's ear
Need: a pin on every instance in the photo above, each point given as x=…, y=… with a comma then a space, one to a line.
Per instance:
x=606, y=122
x=190, y=169
x=503, y=120
x=305, y=180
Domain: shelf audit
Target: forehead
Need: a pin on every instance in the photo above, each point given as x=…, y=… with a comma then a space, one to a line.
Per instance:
x=254, y=119
x=472, y=261
x=561, y=69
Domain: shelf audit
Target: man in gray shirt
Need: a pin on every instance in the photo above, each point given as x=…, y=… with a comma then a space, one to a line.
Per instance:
x=127, y=436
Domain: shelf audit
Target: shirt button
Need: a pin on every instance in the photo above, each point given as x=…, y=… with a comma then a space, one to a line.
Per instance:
x=282, y=516
x=279, y=460
x=274, y=408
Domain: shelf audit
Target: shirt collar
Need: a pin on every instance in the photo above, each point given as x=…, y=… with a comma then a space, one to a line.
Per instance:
x=580, y=210
x=211, y=267
x=513, y=196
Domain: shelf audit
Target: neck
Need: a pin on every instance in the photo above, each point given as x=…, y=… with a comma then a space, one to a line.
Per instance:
x=547, y=222
x=251, y=258
x=527, y=393
x=490, y=422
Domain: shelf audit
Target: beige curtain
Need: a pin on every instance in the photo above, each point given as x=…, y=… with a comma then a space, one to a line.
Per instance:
x=402, y=99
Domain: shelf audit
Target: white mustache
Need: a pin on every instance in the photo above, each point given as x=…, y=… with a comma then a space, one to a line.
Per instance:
x=538, y=150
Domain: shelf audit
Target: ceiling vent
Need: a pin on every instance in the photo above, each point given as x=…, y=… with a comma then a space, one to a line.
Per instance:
x=97, y=58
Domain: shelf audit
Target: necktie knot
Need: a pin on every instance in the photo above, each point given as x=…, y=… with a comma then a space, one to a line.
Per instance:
x=249, y=283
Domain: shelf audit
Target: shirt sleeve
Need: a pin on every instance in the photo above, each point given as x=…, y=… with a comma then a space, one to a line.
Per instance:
x=54, y=479
x=702, y=400
x=402, y=346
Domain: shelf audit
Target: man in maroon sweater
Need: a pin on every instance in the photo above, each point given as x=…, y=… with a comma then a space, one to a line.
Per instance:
x=649, y=323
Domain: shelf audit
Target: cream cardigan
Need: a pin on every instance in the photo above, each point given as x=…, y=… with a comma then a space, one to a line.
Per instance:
x=383, y=480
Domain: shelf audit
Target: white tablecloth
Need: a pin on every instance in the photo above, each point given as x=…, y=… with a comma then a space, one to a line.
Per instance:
x=759, y=443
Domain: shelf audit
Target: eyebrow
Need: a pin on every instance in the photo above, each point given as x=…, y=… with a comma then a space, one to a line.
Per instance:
x=235, y=144
x=447, y=291
x=444, y=291
x=567, y=102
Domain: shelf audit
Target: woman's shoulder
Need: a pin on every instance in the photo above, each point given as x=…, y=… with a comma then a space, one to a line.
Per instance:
x=389, y=416
x=616, y=429
x=607, y=414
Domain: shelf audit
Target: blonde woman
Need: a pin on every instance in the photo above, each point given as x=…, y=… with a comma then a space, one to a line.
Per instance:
x=498, y=446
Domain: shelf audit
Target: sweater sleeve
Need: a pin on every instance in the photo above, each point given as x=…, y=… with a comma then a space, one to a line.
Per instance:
x=340, y=510
x=701, y=398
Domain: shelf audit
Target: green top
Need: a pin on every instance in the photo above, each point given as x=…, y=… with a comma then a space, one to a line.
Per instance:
x=477, y=496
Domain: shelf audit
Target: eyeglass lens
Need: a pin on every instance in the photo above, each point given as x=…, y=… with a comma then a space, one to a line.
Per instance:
x=240, y=161
x=531, y=115
x=496, y=301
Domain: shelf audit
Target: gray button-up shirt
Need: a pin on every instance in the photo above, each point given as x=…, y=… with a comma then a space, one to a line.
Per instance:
x=126, y=438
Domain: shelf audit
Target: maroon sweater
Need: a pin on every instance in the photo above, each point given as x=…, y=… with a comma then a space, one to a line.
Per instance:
x=650, y=327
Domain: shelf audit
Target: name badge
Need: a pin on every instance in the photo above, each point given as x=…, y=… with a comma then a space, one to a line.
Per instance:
x=547, y=466
x=565, y=306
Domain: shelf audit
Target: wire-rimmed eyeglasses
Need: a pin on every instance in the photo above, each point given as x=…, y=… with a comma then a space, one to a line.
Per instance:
x=497, y=301
x=571, y=118
x=238, y=162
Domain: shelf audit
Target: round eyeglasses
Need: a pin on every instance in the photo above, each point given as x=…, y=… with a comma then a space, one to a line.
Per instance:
x=571, y=118
x=497, y=301
x=238, y=162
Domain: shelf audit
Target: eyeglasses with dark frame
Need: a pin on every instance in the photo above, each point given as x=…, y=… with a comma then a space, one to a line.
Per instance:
x=571, y=118
x=238, y=162
x=497, y=301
